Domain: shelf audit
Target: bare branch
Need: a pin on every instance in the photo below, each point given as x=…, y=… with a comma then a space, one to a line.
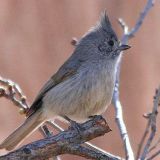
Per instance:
x=43, y=129
x=141, y=18
x=154, y=155
x=13, y=92
x=115, y=100
x=123, y=130
x=88, y=144
x=152, y=122
x=143, y=140
x=155, y=145
x=123, y=25
x=65, y=142
x=130, y=34
x=91, y=154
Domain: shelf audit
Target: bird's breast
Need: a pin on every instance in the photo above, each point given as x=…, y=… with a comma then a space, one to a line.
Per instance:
x=98, y=88
x=87, y=93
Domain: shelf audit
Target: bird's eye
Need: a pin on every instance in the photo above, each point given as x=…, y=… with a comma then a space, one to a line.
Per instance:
x=111, y=43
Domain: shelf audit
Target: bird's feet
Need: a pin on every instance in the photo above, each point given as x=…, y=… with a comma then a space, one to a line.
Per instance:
x=97, y=118
x=74, y=125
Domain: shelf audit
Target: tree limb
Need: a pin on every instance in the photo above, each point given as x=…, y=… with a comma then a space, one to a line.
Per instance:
x=68, y=141
x=115, y=100
x=152, y=124
x=13, y=92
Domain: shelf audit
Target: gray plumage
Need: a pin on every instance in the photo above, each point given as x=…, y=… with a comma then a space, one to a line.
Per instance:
x=82, y=87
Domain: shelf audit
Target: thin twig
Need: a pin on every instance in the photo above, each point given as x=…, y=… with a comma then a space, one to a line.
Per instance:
x=117, y=105
x=47, y=133
x=13, y=92
x=143, y=139
x=43, y=129
x=122, y=129
x=124, y=26
x=139, y=22
x=154, y=155
x=152, y=126
x=65, y=142
x=88, y=144
x=141, y=18
x=155, y=145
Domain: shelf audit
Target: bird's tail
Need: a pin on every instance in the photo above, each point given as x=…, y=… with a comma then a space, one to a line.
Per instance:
x=30, y=124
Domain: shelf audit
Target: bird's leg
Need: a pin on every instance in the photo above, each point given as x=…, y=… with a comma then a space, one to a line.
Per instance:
x=95, y=118
x=74, y=124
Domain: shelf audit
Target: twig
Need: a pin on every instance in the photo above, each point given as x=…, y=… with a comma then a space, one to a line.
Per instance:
x=47, y=133
x=155, y=145
x=124, y=26
x=154, y=155
x=115, y=100
x=122, y=128
x=43, y=129
x=143, y=140
x=130, y=34
x=142, y=16
x=13, y=92
x=152, y=121
x=65, y=142
x=88, y=144
x=91, y=154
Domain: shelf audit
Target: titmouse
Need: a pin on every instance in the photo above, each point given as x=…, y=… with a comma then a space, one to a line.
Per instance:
x=82, y=87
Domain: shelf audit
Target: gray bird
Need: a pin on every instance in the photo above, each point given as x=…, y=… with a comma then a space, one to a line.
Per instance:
x=82, y=87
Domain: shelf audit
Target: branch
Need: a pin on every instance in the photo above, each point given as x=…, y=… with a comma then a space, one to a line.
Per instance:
x=143, y=140
x=155, y=145
x=65, y=142
x=130, y=34
x=122, y=128
x=152, y=124
x=154, y=155
x=88, y=144
x=43, y=129
x=115, y=100
x=13, y=92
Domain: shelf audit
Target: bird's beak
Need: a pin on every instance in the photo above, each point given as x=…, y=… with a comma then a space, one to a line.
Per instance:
x=123, y=47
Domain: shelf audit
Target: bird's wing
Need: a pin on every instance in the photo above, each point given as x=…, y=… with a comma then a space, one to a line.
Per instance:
x=68, y=69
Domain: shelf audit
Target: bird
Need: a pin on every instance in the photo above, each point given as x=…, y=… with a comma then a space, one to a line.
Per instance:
x=82, y=87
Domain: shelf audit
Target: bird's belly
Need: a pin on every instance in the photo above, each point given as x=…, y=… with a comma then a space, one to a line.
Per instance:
x=92, y=102
x=80, y=98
